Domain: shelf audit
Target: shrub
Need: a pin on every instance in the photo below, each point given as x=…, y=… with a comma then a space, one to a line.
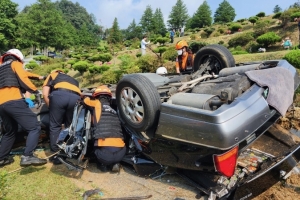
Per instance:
x=295, y=15
x=235, y=27
x=236, y=52
x=209, y=30
x=240, y=40
x=240, y=20
x=268, y=38
x=81, y=66
x=139, y=54
x=195, y=46
x=277, y=15
x=261, y=14
x=147, y=63
x=105, y=57
x=253, y=20
x=221, y=30
x=162, y=40
x=160, y=50
x=31, y=65
x=193, y=37
x=41, y=58
x=170, y=54
x=261, y=28
x=71, y=62
x=293, y=58
x=252, y=46
x=127, y=43
x=221, y=42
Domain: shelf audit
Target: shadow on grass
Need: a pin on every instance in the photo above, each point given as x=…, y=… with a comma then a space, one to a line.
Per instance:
x=31, y=169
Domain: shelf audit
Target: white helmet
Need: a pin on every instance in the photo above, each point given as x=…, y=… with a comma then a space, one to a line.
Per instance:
x=161, y=70
x=17, y=53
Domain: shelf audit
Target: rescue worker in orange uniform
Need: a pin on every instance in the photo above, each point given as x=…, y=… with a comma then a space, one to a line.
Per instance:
x=185, y=58
x=60, y=92
x=14, y=110
x=109, y=146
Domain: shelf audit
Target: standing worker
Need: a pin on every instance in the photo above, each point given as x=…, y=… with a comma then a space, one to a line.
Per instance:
x=172, y=34
x=61, y=92
x=14, y=109
x=144, y=44
x=185, y=58
x=107, y=132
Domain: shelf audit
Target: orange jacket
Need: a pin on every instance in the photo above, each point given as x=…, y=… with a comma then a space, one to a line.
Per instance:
x=14, y=93
x=63, y=85
x=184, y=61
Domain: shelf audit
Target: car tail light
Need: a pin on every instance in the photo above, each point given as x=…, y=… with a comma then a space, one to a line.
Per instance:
x=225, y=163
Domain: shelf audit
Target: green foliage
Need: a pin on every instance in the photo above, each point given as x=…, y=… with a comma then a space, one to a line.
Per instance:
x=295, y=15
x=252, y=46
x=178, y=15
x=193, y=37
x=139, y=54
x=209, y=30
x=71, y=62
x=158, y=23
x=105, y=57
x=133, y=31
x=234, y=27
x=110, y=77
x=293, y=58
x=253, y=20
x=202, y=17
x=277, y=9
x=31, y=65
x=261, y=27
x=160, y=50
x=221, y=30
x=147, y=21
x=147, y=63
x=170, y=54
x=277, y=15
x=115, y=35
x=224, y=13
x=81, y=66
x=286, y=16
x=261, y=14
x=3, y=184
x=236, y=52
x=268, y=38
x=8, y=11
x=162, y=40
x=195, y=46
x=41, y=58
x=240, y=40
x=241, y=20
x=221, y=42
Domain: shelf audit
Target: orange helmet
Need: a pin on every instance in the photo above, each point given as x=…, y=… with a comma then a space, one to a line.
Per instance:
x=180, y=44
x=102, y=90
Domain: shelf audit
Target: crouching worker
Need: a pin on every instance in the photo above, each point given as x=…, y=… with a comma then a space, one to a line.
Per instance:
x=14, y=110
x=109, y=146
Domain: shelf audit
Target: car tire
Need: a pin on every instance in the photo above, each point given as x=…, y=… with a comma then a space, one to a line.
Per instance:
x=138, y=102
x=219, y=55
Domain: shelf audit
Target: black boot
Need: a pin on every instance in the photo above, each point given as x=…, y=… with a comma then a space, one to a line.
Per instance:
x=55, y=160
x=102, y=167
x=31, y=160
x=6, y=161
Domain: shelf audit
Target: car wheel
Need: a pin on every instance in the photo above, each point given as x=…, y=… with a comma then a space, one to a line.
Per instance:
x=216, y=56
x=138, y=102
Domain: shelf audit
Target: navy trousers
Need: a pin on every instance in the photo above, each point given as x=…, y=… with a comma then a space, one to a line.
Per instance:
x=61, y=109
x=13, y=113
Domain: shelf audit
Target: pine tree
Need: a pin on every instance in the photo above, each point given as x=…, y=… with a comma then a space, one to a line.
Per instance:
x=133, y=31
x=178, y=16
x=224, y=13
x=202, y=17
x=115, y=34
x=159, y=25
x=147, y=20
x=277, y=9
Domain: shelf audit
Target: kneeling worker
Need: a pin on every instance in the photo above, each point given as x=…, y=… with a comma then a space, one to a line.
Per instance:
x=107, y=132
x=14, y=110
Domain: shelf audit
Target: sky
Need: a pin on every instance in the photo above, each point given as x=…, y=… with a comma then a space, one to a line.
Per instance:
x=126, y=10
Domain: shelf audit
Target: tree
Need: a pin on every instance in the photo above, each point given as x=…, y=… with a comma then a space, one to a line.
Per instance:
x=225, y=13
x=178, y=16
x=147, y=22
x=115, y=34
x=43, y=25
x=133, y=31
x=8, y=11
x=158, y=23
x=202, y=17
x=277, y=9
x=253, y=19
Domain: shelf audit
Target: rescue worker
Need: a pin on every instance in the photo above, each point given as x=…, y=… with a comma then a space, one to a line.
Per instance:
x=61, y=92
x=185, y=58
x=109, y=146
x=14, y=110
